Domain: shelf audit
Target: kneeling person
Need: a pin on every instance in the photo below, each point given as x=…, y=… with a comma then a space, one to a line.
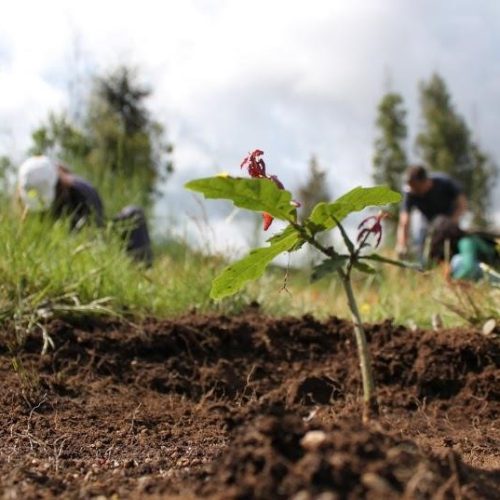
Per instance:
x=45, y=186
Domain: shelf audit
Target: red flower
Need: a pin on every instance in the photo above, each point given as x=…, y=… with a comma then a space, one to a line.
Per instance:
x=365, y=230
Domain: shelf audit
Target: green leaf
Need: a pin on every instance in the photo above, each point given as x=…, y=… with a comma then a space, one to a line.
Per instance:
x=326, y=215
x=385, y=260
x=261, y=195
x=328, y=266
x=285, y=234
x=252, y=266
x=362, y=267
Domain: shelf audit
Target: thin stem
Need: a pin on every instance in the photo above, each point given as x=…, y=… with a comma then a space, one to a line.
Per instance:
x=370, y=408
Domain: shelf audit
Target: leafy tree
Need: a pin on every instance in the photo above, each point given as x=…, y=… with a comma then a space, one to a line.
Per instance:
x=124, y=97
x=125, y=137
x=446, y=145
x=117, y=132
x=314, y=189
x=389, y=159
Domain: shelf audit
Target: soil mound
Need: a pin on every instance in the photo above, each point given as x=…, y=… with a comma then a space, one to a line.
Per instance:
x=284, y=457
x=292, y=360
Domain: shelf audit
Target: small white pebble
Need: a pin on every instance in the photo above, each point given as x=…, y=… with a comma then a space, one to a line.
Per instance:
x=312, y=440
x=376, y=483
x=489, y=326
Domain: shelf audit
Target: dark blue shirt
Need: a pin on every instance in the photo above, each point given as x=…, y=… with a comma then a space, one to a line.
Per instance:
x=439, y=200
x=81, y=203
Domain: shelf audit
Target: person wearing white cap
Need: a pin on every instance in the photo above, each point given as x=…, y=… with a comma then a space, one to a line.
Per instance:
x=37, y=183
x=45, y=186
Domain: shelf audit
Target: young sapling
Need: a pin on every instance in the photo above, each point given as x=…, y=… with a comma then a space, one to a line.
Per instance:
x=266, y=194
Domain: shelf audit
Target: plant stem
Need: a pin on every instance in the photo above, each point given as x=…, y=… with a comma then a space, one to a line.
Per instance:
x=370, y=404
x=370, y=407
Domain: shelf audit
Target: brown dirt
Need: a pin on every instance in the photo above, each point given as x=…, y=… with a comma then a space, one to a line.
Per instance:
x=215, y=406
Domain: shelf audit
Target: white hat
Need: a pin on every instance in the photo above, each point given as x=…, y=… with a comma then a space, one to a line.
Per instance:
x=37, y=182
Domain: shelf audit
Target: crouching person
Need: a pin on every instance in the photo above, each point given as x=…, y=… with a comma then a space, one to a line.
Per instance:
x=44, y=186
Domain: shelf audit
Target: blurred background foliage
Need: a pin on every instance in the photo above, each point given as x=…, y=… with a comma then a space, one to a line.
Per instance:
x=115, y=135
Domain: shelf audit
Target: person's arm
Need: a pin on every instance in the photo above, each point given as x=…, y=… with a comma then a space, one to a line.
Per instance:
x=460, y=207
x=403, y=232
x=18, y=204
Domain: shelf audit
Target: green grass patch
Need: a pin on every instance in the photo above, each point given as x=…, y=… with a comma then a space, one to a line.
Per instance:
x=406, y=296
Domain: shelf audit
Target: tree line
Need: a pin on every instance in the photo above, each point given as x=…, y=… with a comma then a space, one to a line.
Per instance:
x=115, y=132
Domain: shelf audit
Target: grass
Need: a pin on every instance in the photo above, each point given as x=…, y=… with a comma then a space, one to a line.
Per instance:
x=49, y=272
x=410, y=298
x=46, y=269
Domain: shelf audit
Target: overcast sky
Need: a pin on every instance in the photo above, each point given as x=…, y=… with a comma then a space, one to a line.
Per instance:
x=290, y=77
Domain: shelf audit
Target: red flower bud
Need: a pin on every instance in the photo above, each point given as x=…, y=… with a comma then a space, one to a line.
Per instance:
x=255, y=164
x=267, y=220
x=257, y=169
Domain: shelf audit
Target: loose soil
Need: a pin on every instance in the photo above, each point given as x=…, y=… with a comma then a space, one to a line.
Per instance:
x=248, y=407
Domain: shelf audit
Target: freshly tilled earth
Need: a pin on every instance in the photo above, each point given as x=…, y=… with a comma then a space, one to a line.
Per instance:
x=248, y=407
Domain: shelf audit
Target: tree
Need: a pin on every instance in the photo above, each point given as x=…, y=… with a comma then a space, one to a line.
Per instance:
x=124, y=135
x=124, y=97
x=117, y=132
x=314, y=190
x=389, y=159
x=446, y=145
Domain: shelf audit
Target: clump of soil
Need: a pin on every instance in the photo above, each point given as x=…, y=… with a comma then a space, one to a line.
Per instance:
x=216, y=405
x=284, y=457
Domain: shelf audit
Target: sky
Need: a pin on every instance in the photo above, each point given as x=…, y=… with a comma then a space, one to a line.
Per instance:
x=292, y=78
